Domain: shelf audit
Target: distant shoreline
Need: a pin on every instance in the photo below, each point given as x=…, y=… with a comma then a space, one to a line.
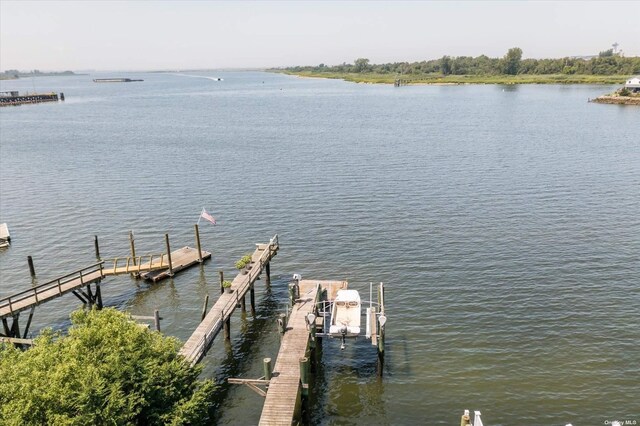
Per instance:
x=10, y=75
x=450, y=80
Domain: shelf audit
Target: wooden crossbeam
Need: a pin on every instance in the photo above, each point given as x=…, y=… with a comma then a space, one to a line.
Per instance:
x=252, y=384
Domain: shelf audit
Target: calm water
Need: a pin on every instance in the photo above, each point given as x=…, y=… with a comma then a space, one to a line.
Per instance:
x=503, y=220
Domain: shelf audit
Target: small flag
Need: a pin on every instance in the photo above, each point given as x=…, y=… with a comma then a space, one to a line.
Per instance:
x=207, y=216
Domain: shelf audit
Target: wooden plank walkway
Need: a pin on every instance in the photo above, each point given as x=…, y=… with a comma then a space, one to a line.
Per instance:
x=202, y=338
x=16, y=303
x=180, y=259
x=9, y=306
x=283, y=400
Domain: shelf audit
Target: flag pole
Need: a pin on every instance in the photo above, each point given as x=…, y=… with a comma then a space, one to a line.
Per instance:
x=200, y=217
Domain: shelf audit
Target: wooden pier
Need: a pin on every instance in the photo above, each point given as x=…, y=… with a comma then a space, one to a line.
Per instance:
x=219, y=317
x=283, y=400
x=80, y=282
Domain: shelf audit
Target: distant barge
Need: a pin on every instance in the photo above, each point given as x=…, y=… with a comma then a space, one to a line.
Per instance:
x=114, y=80
x=14, y=98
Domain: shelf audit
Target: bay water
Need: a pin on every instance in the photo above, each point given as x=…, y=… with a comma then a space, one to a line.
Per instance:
x=503, y=220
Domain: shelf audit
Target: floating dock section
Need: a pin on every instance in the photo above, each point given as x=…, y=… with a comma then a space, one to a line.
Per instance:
x=115, y=80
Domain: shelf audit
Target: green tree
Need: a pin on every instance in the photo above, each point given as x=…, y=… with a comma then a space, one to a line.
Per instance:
x=606, y=53
x=107, y=370
x=362, y=64
x=445, y=65
x=511, y=61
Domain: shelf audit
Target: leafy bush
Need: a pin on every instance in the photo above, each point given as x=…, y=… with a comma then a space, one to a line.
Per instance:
x=244, y=261
x=624, y=92
x=107, y=370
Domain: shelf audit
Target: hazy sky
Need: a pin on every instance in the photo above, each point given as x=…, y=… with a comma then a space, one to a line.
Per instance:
x=137, y=35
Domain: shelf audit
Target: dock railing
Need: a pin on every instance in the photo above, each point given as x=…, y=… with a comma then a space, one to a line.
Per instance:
x=207, y=339
x=137, y=264
x=53, y=284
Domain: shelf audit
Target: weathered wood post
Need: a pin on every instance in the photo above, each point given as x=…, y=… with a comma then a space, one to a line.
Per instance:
x=227, y=328
x=243, y=305
x=156, y=319
x=198, y=243
x=166, y=239
x=26, y=329
x=282, y=323
x=32, y=270
x=267, y=368
x=267, y=279
x=204, y=308
x=133, y=247
x=96, y=246
x=304, y=375
x=252, y=300
x=312, y=332
x=221, y=274
x=98, y=295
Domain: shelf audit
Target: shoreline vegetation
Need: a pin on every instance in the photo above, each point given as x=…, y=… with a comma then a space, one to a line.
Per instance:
x=608, y=67
x=439, y=79
x=15, y=74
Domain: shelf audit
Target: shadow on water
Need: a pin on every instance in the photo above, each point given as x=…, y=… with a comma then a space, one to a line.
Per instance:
x=240, y=352
x=345, y=386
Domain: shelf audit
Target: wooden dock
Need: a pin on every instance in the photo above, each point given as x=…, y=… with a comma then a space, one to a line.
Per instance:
x=16, y=303
x=219, y=316
x=282, y=404
x=180, y=259
x=76, y=281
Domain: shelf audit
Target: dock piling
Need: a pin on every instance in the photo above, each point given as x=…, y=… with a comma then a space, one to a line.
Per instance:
x=204, y=307
x=304, y=375
x=198, y=243
x=221, y=274
x=227, y=328
x=267, y=280
x=282, y=323
x=267, y=368
x=166, y=239
x=96, y=246
x=31, y=268
x=156, y=319
x=133, y=247
x=252, y=300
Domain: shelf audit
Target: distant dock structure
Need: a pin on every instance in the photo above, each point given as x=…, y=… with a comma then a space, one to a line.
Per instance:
x=115, y=80
x=13, y=98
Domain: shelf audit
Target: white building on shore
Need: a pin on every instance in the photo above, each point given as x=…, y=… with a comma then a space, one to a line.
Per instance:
x=633, y=84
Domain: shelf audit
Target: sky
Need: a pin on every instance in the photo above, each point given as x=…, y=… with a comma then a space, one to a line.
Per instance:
x=168, y=35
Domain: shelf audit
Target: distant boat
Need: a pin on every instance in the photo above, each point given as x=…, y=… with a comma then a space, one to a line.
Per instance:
x=5, y=238
x=114, y=80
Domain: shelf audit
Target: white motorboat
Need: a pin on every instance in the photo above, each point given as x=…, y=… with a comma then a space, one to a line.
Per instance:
x=345, y=315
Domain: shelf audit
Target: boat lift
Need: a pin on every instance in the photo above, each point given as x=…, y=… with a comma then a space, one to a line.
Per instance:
x=341, y=316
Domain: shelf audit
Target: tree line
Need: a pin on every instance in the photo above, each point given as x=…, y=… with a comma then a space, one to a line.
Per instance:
x=606, y=63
